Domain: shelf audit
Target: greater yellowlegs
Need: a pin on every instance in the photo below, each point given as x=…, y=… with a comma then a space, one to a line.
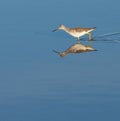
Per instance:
x=75, y=48
x=77, y=31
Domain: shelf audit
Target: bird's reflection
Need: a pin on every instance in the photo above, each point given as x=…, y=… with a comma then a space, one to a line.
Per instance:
x=76, y=48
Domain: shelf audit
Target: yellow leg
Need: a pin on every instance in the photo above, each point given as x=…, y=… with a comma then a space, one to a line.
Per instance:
x=89, y=36
x=79, y=39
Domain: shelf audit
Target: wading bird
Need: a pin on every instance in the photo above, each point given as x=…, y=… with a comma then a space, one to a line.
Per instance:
x=77, y=31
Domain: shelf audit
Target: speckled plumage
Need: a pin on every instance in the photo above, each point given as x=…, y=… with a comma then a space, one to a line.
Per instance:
x=77, y=31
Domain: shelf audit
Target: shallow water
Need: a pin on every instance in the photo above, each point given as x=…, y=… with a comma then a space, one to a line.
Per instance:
x=36, y=84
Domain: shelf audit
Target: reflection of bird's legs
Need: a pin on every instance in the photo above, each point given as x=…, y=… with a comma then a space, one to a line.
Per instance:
x=89, y=36
x=90, y=43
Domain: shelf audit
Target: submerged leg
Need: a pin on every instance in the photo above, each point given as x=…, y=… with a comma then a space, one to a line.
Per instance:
x=89, y=36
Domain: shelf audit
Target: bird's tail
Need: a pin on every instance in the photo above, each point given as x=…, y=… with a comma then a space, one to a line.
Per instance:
x=93, y=28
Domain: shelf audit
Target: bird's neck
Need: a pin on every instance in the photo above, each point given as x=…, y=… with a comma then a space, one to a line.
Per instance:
x=66, y=29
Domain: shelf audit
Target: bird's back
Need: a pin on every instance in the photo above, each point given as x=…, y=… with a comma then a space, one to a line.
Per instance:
x=79, y=29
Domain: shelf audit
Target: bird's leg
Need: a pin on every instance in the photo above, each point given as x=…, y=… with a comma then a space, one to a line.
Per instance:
x=78, y=39
x=89, y=36
x=90, y=40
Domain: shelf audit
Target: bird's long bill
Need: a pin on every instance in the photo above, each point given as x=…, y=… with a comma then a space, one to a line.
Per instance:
x=54, y=30
x=56, y=52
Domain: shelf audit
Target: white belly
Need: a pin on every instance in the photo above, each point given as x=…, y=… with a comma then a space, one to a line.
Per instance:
x=77, y=34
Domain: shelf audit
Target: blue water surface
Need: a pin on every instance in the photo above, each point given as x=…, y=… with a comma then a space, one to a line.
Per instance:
x=38, y=85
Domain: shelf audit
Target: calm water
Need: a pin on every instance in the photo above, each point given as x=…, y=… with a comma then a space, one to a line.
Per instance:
x=36, y=84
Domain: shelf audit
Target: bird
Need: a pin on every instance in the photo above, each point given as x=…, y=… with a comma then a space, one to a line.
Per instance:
x=75, y=48
x=76, y=32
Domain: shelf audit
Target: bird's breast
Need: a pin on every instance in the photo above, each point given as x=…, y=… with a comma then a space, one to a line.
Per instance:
x=77, y=34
